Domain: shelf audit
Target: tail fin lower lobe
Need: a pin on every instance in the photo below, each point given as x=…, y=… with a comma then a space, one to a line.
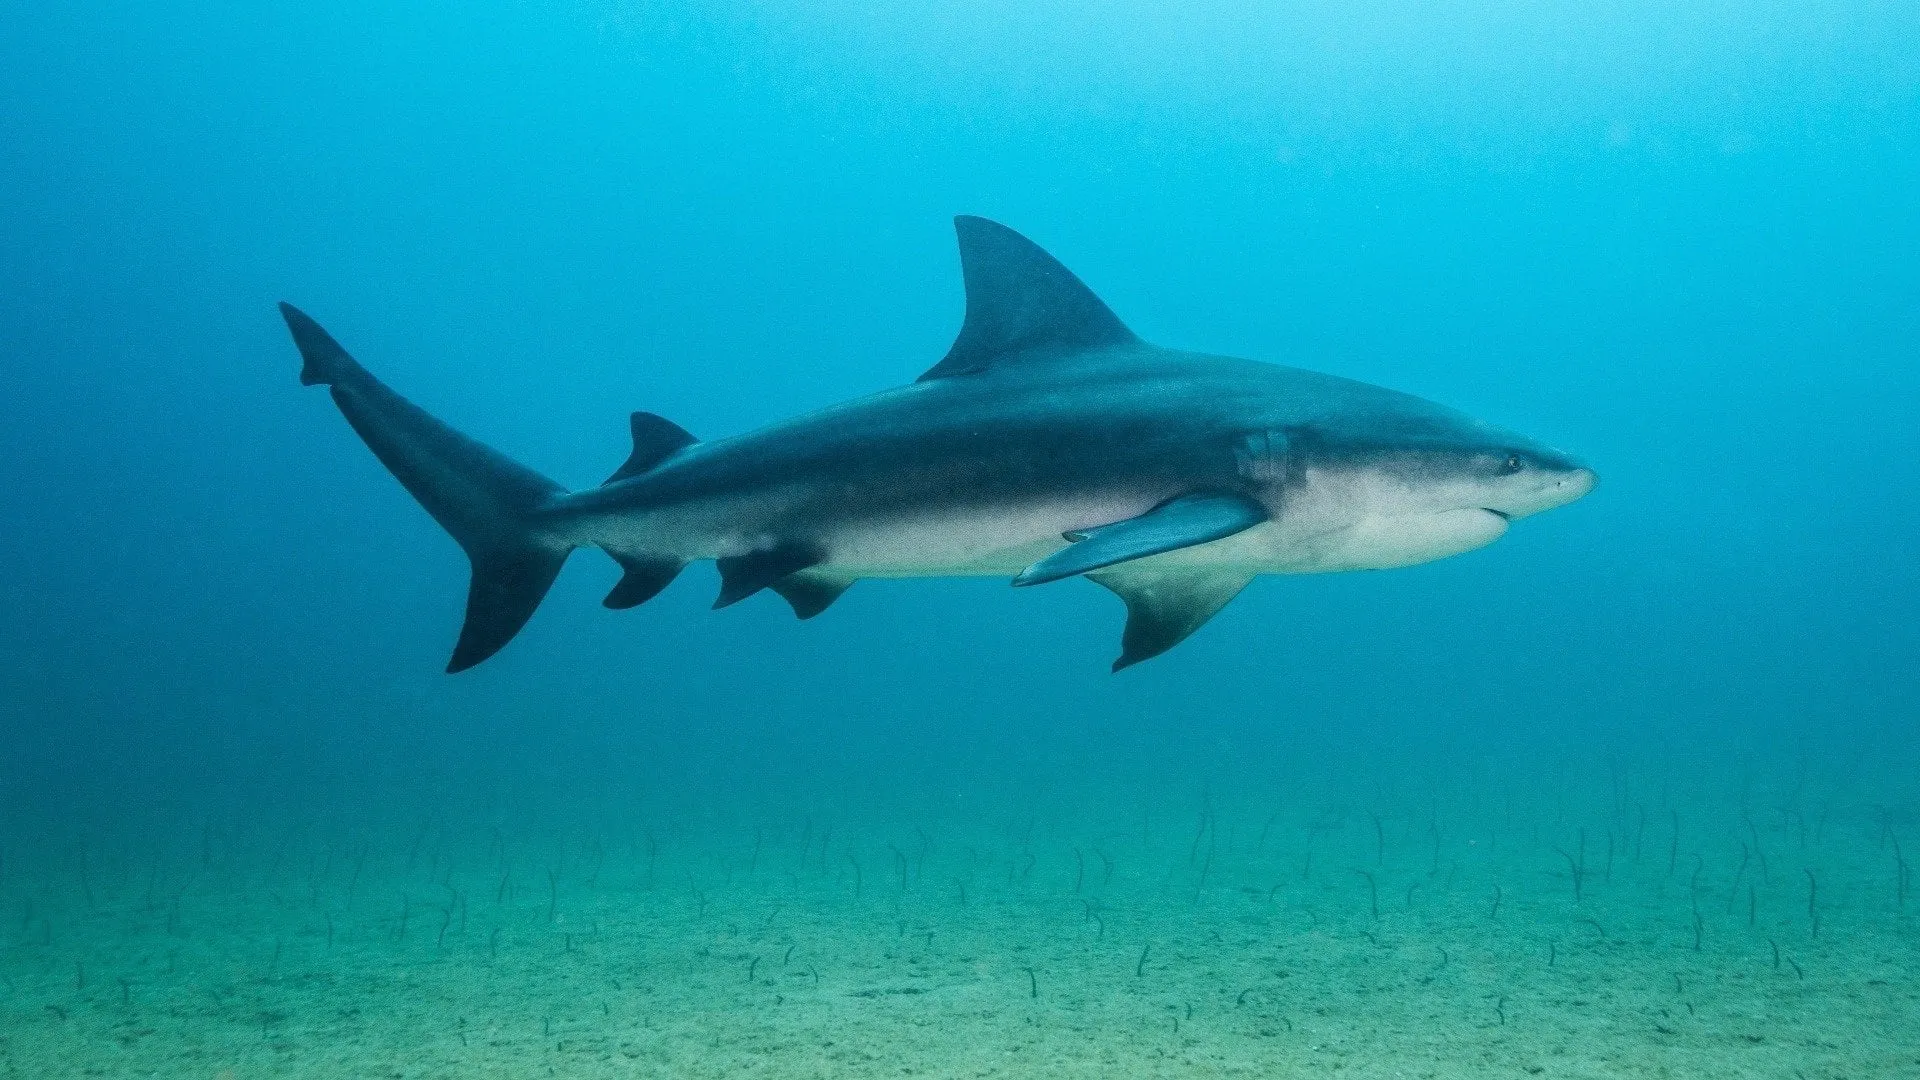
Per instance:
x=487, y=501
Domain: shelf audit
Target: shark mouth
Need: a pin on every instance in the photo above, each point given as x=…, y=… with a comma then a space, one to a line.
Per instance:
x=1501, y=514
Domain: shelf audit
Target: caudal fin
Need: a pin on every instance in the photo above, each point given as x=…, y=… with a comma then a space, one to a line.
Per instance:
x=487, y=501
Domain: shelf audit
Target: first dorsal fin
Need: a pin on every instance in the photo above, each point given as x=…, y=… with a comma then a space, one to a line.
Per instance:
x=655, y=438
x=1021, y=302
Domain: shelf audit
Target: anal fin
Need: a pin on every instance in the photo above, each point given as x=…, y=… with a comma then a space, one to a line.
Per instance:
x=643, y=580
x=1165, y=606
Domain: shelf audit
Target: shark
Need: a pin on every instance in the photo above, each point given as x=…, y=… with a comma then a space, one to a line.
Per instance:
x=1050, y=442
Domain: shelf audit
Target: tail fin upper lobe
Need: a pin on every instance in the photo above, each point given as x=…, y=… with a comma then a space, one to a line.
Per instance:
x=488, y=502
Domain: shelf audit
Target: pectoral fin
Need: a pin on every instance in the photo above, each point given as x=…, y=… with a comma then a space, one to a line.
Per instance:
x=1165, y=606
x=1180, y=523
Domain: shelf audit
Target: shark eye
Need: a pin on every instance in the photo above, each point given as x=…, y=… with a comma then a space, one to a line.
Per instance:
x=1513, y=464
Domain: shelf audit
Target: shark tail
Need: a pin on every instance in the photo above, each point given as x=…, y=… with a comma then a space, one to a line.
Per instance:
x=489, y=503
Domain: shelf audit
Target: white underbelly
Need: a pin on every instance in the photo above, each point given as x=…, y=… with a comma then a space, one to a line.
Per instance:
x=1320, y=533
x=1005, y=544
x=1386, y=541
x=948, y=544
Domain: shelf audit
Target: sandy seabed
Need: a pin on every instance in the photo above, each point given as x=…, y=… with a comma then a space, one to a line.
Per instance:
x=1310, y=942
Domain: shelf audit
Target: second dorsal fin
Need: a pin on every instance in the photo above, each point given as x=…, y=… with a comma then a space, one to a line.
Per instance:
x=655, y=439
x=1021, y=302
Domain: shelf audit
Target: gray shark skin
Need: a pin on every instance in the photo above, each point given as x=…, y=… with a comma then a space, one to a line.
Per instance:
x=1050, y=442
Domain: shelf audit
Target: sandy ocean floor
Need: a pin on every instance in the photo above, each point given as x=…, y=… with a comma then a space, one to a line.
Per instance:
x=1226, y=941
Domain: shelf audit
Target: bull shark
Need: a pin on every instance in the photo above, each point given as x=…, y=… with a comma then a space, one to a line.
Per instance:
x=1050, y=442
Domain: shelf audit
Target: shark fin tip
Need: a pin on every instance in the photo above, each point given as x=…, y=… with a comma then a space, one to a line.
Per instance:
x=322, y=359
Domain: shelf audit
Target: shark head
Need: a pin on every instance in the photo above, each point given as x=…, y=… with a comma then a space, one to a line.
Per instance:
x=1406, y=481
x=1483, y=468
x=1430, y=459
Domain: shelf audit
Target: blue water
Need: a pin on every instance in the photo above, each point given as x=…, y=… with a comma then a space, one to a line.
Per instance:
x=1678, y=241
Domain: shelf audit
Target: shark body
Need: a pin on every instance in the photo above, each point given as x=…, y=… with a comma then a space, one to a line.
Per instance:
x=1050, y=442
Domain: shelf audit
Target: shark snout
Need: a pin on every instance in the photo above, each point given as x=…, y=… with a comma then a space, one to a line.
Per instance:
x=1544, y=491
x=1565, y=486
